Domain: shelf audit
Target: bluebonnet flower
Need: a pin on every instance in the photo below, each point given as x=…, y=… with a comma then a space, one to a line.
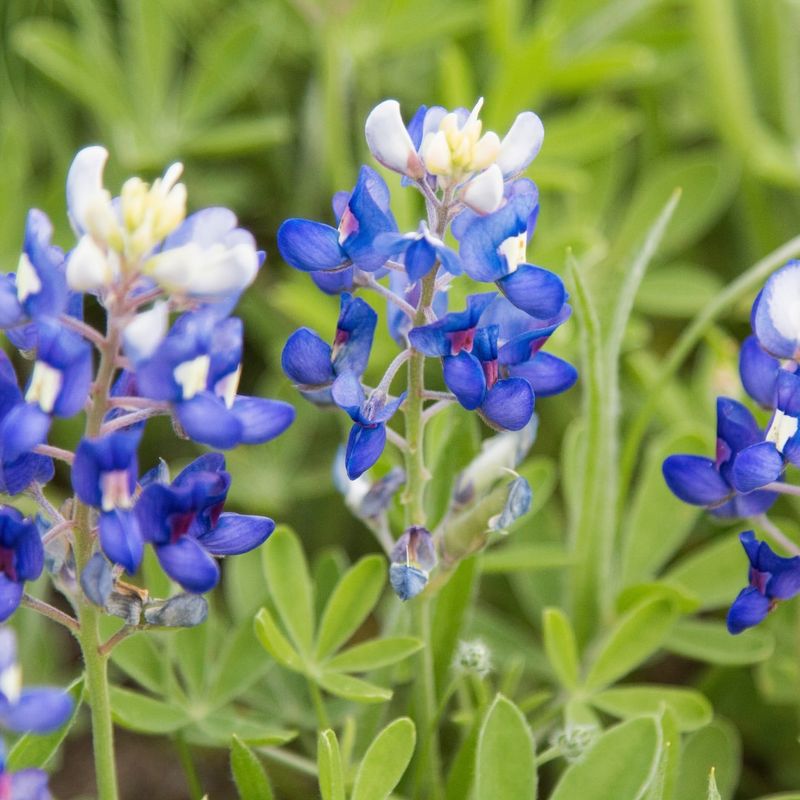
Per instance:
x=370, y=415
x=313, y=246
x=22, y=428
x=420, y=251
x=411, y=561
x=470, y=365
x=39, y=286
x=21, y=559
x=38, y=710
x=185, y=523
x=771, y=578
x=27, y=784
x=314, y=365
x=196, y=368
x=104, y=476
x=709, y=482
x=765, y=461
x=775, y=318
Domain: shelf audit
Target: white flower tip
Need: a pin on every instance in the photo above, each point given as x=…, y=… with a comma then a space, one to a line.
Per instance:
x=484, y=192
x=521, y=144
x=84, y=183
x=389, y=141
x=88, y=267
x=144, y=334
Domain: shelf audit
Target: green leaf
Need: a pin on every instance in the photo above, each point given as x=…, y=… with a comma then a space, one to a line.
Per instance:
x=620, y=764
x=717, y=745
x=191, y=650
x=525, y=558
x=140, y=658
x=663, y=785
x=385, y=761
x=275, y=643
x=711, y=642
x=216, y=730
x=138, y=712
x=635, y=637
x=240, y=664
x=248, y=773
x=353, y=598
x=286, y=571
x=663, y=292
x=329, y=766
x=505, y=764
x=34, y=751
x=374, y=654
x=238, y=136
x=353, y=688
x=560, y=647
x=690, y=709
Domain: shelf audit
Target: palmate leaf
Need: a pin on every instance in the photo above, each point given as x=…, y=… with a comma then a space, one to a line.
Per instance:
x=560, y=647
x=385, y=761
x=329, y=766
x=248, y=773
x=689, y=708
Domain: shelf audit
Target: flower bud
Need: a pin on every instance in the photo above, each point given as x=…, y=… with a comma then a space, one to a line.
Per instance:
x=473, y=657
x=412, y=559
x=389, y=140
x=575, y=740
x=181, y=611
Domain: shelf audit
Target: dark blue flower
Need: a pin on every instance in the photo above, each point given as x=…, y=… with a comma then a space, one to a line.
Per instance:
x=370, y=415
x=21, y=558
x=39, y=286
x=187, y=527
x=764, y=462
x=196, y=368
x=771, y=579
x=706, y=482
x=313, y=364
x=313, y=246
x=39, y=710
x=419, y=251
x=104, y=476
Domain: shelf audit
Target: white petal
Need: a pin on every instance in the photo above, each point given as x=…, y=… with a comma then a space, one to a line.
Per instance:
x=436, y=154
x=144, y=334
x=88, y=268
x=84, y=184
x=484, y=192
x=783, y=301
x=389, y=141
x=521, y=144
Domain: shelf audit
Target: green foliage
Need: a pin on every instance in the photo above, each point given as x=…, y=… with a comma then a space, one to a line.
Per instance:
x=248, y=774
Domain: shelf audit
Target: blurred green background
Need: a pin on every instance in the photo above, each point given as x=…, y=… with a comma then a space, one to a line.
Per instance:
x=264, y=102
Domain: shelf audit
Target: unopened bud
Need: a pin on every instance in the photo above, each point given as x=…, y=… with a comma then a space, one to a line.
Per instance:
x=473, y=657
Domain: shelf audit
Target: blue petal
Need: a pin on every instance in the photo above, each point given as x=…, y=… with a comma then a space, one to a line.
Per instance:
x=774, y=314
x=47, y=260
x=25, y=427
x=207, y=420
x=208, y=462
x=464, y=377
x=188, y=563
x=205, y=228
x=355, y=331
x=29, y=553
x=348, y=394
x=113, y=453
x=509, y=404
x=364, y=448
x=72, y=357
x=29, y=784
x=121, y=538
x=788, y=392
x=11, y=312
x=746, y=505
x=758, y=371
x=310, y=246
x=546, y=374
x=97, y=581
x=756, y=466
x=10, y=596
x=369, y=204
x=736, y=426
x=419, y=259
x=261, y=419
x=236, y=533
x=407, y=581
x=536, y=291
x=38, y=711
x=695, y=480
x=341, y=280
x=19, y=474
x=748, y=609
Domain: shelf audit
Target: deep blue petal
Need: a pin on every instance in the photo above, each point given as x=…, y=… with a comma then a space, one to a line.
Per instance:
x=236, y=533
x=482, y=237
x=310, y=246
x=18, y=475
x=341, y=280
x=355, y=331
x=261, y=419
x=736, y=426
x=547, y=374
x=208, y=462
x=788, y=392
x=206, y=419
x=306, y=359
x=10, y=596
x=536, y=291
x=758, y=371
x=47, y=261
x=29, y=553
x=38, y=711
x=11, y=312
x=188, y=563
x=419, y=259
x=121, y=538
x=464, y=377
x=25, y=427
x=746, y=505
x=369, y=205
x=364, y=448
x=756, y=466
x=93, y=457
x=509, y=404
x=695, y=480
x=748, y=609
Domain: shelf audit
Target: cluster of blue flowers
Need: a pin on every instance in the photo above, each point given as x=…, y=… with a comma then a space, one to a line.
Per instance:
x=748, y=473
x=479, y=218
x=166, y=284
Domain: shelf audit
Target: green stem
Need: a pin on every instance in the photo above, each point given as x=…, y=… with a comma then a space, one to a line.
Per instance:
x=319, y=705
x=95, y=661
x=189, y=770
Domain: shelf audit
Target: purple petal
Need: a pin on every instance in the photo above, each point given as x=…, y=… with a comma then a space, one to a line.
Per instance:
x=509, y=404
x=695, y=480
x=236, y=533
x=121, y=538
x=756, y=466
x=187, y=562
x=364, y=448
x=748, y=609
x=536, y=291
x=261, y=419
x=38, y=711
x=310, y=246
x=464, y=377
x=29, y=784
